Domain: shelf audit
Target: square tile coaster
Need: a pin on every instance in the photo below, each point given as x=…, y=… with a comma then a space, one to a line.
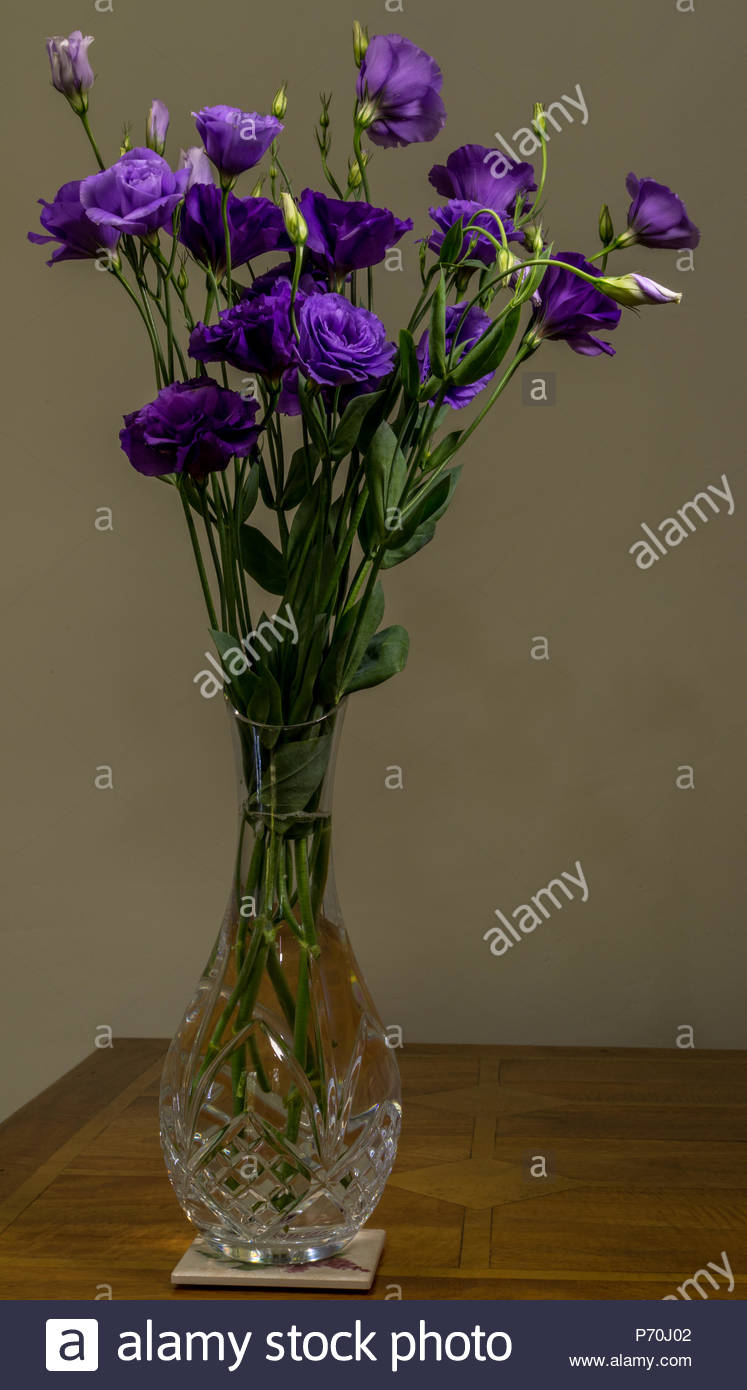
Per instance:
x=354, y=1268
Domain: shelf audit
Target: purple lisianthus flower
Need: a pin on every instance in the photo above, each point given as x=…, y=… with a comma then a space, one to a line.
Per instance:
x=341, y=345
x=255, y=335
x=255, y=225
x=349, y=236
x=483, y=249
x=399, y=89
x=72, y=73
x=156, y=126
x=67, y=222
x=464, y=335
x=657, y=217
x=235, y=140
x=487, y=177
x=567, y=307
x=137, y=195
x=192, y=427
x=196, y=162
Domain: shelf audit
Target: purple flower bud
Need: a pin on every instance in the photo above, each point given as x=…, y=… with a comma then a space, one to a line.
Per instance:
x=72, y=73
x=637, y=289
x=157, y=126
x=196, y=161
x=657, y=217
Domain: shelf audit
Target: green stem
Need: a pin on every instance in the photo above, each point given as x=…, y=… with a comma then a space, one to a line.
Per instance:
x=199, y=561
x=83, y=115
x=227, y=235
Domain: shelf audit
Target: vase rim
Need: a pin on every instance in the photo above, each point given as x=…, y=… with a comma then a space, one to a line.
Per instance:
x=305, y=724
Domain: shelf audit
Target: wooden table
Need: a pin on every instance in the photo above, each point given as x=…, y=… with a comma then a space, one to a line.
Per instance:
x=645, y=1154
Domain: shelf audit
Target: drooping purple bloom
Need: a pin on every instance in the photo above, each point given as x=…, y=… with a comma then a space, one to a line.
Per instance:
x=137, y=195
x=255, y=335
x=349, y=236
x=483, y=249
x=255, y=226
x=567, y=307
x=464, y=335
x=192, y=427
x=67, y=222
x=480, y=175
x=402, y=85
x=156, y=126
x=235, y=140
x=198, y=165
x=341, y=345
x=658, y=217
x=72, y=73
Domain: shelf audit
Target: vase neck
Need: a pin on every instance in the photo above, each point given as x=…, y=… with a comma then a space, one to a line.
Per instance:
x=285, y=772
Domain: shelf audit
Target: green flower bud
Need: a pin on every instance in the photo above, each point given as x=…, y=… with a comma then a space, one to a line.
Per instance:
x=295, y=224
x=360, y=42
x=606, y=229
x=539, y=120
x=280, y=102
x=365, y=114
x=257, y=189
x=506, y=260
x=533, y=239
x=182, y=280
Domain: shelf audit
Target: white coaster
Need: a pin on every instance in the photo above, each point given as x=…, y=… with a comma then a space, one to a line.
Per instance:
x=354, y=1268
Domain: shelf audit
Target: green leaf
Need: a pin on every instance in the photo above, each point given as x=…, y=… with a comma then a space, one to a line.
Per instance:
x=409, y=367
x=488, y=352
x=452, y=243
x=386, y=474
x=294, y=773
x=365, y=616
x=437, y=334
x=415, y=541
x=443, y=451
x=347, y=434
x=302, y=468
x=265, y=486
x=262, y=561
x=419, y=525
x=314, y=425
x=242, y=686
x=305, y=518
x=250, y=492
x=385, y=655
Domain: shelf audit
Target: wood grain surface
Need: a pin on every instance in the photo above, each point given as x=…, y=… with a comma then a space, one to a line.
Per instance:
x=644, y=1153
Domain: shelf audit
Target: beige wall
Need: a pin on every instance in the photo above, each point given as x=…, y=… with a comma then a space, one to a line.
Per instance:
x=513, y=768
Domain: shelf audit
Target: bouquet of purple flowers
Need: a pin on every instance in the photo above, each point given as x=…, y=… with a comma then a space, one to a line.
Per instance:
x=279, y=392
x=374, y=470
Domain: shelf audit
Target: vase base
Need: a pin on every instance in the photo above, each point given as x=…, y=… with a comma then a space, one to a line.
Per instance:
x=209, y=1265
